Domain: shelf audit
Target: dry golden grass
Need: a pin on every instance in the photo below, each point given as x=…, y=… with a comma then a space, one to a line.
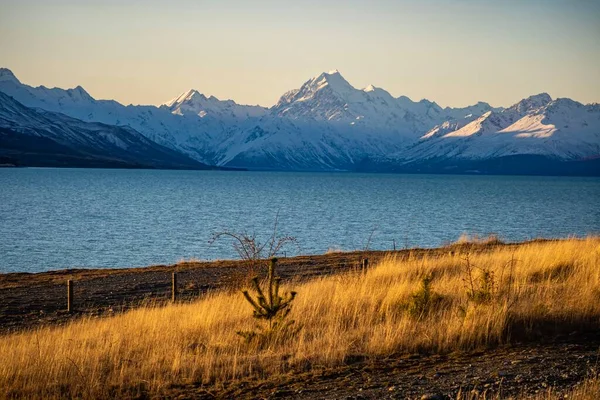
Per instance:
x=589, y=389
x=539, y=288
x=334, y=250
x=489, y=239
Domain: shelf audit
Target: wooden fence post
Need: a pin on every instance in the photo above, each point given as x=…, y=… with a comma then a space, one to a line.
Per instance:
x=174, y=287
x=365, y=263
x=69, y=295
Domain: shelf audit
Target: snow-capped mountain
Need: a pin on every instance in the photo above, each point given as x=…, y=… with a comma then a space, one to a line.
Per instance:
x=329, y=97
x=191, y=135
x=562, y=129
x=492, y=121
x=193, y=102
x=241, y=138
x=327, y=124
x=44, y=138
x=487, y=120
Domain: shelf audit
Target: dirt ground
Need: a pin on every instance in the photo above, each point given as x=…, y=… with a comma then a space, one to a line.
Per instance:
x=515, y=371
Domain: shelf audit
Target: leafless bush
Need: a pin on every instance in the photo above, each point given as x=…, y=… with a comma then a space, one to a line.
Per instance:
x=252, y=251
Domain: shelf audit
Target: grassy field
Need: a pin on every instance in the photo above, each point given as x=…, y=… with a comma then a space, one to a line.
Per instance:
x=461, y=299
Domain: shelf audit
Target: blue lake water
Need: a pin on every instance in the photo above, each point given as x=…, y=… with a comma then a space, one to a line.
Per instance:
x=64, y=218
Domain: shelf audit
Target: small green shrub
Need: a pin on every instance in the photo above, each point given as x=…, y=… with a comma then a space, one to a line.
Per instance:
x=486, y=289
x=482, y=289
x=268, y=305
x=425, y=300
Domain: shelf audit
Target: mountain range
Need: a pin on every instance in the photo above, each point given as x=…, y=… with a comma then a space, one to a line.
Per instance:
x=44, y=138
x=325, y=125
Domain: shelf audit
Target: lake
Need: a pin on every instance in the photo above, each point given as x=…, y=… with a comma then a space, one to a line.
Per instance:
x=94, y=218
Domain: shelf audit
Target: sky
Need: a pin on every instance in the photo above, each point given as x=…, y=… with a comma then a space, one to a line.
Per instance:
x=453, y=52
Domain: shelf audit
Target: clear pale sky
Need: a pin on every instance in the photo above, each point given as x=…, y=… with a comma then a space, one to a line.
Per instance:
x=452, y=52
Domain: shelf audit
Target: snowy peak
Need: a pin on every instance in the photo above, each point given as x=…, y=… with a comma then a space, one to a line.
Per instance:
x=531, y=103
x=79, y=93
x=462, y=121
x=369, y=88
x=481, y=104
x=561, y=129
x=182, y=98
x=43, y=138
x=7, y=75
x=567, y=105
x=424, y=107
x=50, y=99
x=331, y=82
x=474, y=110
x=195, y=103
x=493, y=121
x=562, y=117
x=376, y=92
x=329, y=97
x=324, y=97
x=332, y=79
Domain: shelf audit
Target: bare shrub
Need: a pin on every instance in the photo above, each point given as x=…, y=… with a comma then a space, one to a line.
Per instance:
x=253, y=252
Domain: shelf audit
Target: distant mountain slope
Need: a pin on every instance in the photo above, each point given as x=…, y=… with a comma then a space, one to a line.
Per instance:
x=43, y=138
x=327, y=124
x=562, y=129
x=192, y=135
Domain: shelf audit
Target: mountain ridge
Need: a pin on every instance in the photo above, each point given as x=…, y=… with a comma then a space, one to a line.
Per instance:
x=327, y=124
x=44, y=138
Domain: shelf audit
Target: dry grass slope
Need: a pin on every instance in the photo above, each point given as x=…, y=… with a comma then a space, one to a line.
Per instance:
x=539, y=288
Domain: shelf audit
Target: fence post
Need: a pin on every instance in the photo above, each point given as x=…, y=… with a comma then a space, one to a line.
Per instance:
x=69, y=295
x=365, y=263
x=174, y=287
x=394, y=244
